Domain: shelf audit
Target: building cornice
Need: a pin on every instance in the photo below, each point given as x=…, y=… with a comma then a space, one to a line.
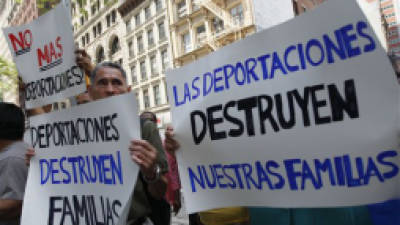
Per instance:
x=128, y=6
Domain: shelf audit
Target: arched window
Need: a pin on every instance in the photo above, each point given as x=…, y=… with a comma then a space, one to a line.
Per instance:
x=115, y=46
x=100, y=55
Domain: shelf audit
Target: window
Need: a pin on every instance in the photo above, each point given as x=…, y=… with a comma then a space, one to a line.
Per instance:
x=113, y=16
x=153, y=64
x=133, y=74
x=146, y=99
x=94, y=31
x=83, y=40
x=143, y=71
x=93, y=9
x=108, y=18
x=150, y=38
x=218, y=25
x=99, y=28
x=87, y=38
x=161, y=31
x=186, y=43
x=82, y=19
x=130, y=49
x=156, y=92
x=137, y=19
x=201, y=33
x=115, y=46
x=128, y=26
x=164, y=59
x=140, y=43
x=100, y=55
x=237, y=14
x=158, y=5
x=181, y=8
x=147, y=13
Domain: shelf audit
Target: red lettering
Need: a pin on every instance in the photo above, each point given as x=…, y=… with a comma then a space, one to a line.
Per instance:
x=28, y=38
x=59, y=46
x=15, y=41
x=43, y=56
x=52, y=52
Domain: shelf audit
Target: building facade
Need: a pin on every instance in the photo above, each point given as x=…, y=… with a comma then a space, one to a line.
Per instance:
x=98, y=29
x=199, y=27
x=26, y=12
x=391, y=13
x=13, y=13
x=149, y=54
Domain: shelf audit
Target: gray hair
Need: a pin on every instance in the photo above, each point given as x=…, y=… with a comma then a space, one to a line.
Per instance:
x=106, y=64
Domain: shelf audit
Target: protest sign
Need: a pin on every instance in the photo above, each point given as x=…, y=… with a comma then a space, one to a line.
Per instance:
x=82, y=172
x=43, y=51
x=300, y=115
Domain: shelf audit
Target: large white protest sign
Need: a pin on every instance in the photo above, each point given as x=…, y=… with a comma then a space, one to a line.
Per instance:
x=301, y=115
x=82, y=172
x=43, y=51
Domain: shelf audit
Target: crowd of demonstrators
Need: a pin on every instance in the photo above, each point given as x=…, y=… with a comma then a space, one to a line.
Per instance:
x=158, y=185
x=13, y=171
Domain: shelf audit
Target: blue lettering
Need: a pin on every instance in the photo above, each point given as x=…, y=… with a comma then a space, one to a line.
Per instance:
x=310, y=44
x=348, y=39
x=394, y=168
x=207, y=90
x=194, y=87
x=263, y=60
x=331, y=47
x=53, y=171
x=43, y=179
x=217, y=79
x=250, y=69
x=193, y=178
x=291, y=173
x=227, y=74
x=177, y=103
x=272, y=164
x=360, y=27
x=286, y=59
x=276, y=64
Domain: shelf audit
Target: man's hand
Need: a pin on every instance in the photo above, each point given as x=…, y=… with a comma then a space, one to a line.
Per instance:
x=83, y=60
x=30, y=152
x=145, y=155
x=10, y=209
x=170, y=143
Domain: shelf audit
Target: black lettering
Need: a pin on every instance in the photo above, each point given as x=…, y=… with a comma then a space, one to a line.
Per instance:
x=197, y=138
x=212, y=121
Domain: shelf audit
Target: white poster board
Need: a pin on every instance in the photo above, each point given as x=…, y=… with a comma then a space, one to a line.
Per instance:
x=43, y=51
x=300, y=115
x=82, y=172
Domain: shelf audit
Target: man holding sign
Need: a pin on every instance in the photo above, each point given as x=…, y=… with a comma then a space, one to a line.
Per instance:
x=109, y=79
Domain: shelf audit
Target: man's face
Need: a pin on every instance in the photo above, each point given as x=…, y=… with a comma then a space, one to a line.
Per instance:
x=108, y=82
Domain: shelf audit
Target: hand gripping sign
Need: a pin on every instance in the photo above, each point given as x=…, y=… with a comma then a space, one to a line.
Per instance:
x=300, y=115
x=43, y=51
x=82, y=172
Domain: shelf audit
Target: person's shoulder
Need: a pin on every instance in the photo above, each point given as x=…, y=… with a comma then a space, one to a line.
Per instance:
x=15, y=150
x=148, y=127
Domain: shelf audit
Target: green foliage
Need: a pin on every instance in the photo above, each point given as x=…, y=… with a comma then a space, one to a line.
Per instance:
x=8, y=76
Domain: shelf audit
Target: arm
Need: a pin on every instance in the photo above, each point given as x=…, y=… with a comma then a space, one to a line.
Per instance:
x=83, y=60
x=149, y=154
x=10, y=209
x=145, y=155
x=14, y=177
